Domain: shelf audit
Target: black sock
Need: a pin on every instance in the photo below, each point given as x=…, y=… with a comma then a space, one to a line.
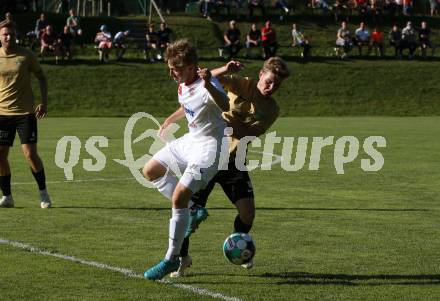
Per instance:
x=40, y=177
x=239, y=226
x=5, y=184
x=185, y=247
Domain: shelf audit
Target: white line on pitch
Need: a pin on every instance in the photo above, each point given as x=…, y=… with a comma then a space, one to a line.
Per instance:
x=126, y=272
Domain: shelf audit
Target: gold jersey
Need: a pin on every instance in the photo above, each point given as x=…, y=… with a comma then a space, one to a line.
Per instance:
x=248, y=105
x=16, y=97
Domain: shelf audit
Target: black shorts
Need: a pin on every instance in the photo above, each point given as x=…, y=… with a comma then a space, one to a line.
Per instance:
x=25, y=125
x=236, y=184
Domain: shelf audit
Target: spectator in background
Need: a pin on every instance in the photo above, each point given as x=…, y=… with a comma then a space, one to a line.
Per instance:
x=390, y=7
x=9, y=18
x=377, y=41
x=434, y=7
x=253, y=4
x=407, y=7
x=424, y=38
x=40, y=26
x=207, y=8
x=238, y=5
x=73, y=23
x=49, y=43
x=283, y=7
x=65, y=42
x=362, y=6
x=253, y=39
x=269, y=41
x=164, y=38
x=120, y=43
x=395, y=39
x=104, y=40
x=343, y=41
x=232, y=39
x=299, y=39
x=362, y=38
x=151, y=48
x=377, y=8
x=409, y=39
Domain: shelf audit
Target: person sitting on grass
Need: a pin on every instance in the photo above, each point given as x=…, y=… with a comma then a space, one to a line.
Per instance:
x=409, y=39
x=120, y=43
x=269, y=40
x=164, y=38
x=424, y=39
x=49, y=44
x=344, y=43
x=253, y=39
x=362, y=38
x=299, y=39
x=395, y=39
x=65, y=41
x=232, y=39
x=151, y=47
x=377, y=41
x=104, y=40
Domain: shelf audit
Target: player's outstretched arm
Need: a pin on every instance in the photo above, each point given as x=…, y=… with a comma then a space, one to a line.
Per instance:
x=219, y=98
x=230, y=67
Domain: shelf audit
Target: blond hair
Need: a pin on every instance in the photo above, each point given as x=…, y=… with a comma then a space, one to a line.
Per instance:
x=7, y=23
x=277, y=66
x=181, y=53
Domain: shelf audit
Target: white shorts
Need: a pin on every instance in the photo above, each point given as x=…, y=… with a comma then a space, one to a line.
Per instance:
x=196, y=158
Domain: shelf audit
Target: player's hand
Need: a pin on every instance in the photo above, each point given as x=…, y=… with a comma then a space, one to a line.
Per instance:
x=162, y=129
x=40, y=111
x=234, y=66
x=204, y=74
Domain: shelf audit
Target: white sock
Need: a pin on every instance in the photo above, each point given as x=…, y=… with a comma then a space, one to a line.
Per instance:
x=178, y=224
x=166, y=185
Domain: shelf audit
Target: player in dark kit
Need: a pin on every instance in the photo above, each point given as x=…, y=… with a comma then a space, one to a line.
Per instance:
x=17, y=111
x=252, y=111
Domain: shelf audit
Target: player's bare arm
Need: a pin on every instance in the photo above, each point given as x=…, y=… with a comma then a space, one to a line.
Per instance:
x=219, y=98
x=41, y=109
x=176, y=116
x=230, y=67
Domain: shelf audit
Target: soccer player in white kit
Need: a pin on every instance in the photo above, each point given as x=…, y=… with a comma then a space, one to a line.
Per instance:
x=202, y=100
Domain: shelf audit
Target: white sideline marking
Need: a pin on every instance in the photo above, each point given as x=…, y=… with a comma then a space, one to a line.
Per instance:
x=126, y=272
x=276, y=161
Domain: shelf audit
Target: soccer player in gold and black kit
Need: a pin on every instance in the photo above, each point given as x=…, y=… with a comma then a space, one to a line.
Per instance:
x=17, y=111
x=252, y=111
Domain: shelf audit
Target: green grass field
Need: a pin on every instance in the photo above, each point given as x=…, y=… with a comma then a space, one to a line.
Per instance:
x=319, y=235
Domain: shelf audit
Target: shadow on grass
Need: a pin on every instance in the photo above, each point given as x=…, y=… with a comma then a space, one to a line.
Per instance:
x=259, y=209
x=304, y=278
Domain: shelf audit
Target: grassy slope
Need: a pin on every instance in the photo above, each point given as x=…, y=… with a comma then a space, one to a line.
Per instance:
x=320, y=236
x=324, y=87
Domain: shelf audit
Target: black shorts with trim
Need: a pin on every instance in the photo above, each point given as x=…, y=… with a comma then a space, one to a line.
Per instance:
x=24, y=125
x=235, y=183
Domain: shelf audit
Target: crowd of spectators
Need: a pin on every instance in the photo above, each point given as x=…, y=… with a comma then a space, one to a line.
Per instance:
x=406, y=39
x=258, y=42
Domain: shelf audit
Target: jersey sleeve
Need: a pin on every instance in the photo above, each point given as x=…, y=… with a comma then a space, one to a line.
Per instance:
x=215, y=82
x=234, y=83
x=266, y=121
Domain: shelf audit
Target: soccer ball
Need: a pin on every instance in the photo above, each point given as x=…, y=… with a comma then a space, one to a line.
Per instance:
x=239, y=248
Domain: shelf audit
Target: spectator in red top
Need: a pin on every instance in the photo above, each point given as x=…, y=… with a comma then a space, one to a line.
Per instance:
x=377, y=41
x=49, y=43
x=269, y=41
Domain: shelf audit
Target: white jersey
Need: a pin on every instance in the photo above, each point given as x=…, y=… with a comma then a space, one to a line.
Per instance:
x=203, y=115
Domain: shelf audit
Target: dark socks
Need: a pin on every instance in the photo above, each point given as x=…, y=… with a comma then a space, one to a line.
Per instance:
x=5, y=184
x=239, y=226
x=40, y=177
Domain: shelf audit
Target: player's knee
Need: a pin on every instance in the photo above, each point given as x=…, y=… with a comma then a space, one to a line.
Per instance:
x=181, y=196
x=30, y=156
x=151, y=173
